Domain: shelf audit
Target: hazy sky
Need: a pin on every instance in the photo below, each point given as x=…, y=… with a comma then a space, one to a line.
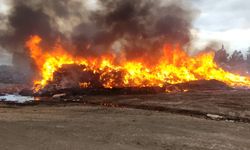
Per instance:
x=226, y=21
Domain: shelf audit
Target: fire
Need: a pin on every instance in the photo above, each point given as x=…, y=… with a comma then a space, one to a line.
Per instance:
x=175, y=66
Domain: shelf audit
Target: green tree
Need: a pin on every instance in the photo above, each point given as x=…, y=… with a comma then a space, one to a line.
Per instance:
x=221, y=56
x=236, y=58
x=248, y=56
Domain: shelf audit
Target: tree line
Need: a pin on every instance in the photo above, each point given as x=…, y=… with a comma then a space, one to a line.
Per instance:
x=236, y=62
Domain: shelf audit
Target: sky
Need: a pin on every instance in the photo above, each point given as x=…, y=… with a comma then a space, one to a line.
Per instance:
x=226, y=22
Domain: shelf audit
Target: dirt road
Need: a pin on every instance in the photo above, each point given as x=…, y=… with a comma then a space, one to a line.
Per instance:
x=100, y=128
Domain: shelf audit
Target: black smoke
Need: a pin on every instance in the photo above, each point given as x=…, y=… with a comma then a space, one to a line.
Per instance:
x=141, y=27
x=135, y=29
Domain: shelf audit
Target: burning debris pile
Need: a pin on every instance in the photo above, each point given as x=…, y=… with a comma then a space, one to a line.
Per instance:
x=119, y=44
x=175, y=66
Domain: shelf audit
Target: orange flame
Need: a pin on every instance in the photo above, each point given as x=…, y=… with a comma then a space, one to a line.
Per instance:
x=175, y=66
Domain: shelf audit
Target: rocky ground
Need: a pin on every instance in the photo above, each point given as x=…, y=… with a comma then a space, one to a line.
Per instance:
x=192, y=120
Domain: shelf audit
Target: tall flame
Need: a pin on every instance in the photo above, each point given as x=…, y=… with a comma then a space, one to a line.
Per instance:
x=175, y=66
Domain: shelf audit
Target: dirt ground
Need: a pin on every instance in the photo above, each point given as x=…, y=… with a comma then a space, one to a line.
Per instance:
x=78, y=127
x=203, y=120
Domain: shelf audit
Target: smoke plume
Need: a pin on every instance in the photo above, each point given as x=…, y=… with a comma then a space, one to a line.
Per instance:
x=134, y=29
